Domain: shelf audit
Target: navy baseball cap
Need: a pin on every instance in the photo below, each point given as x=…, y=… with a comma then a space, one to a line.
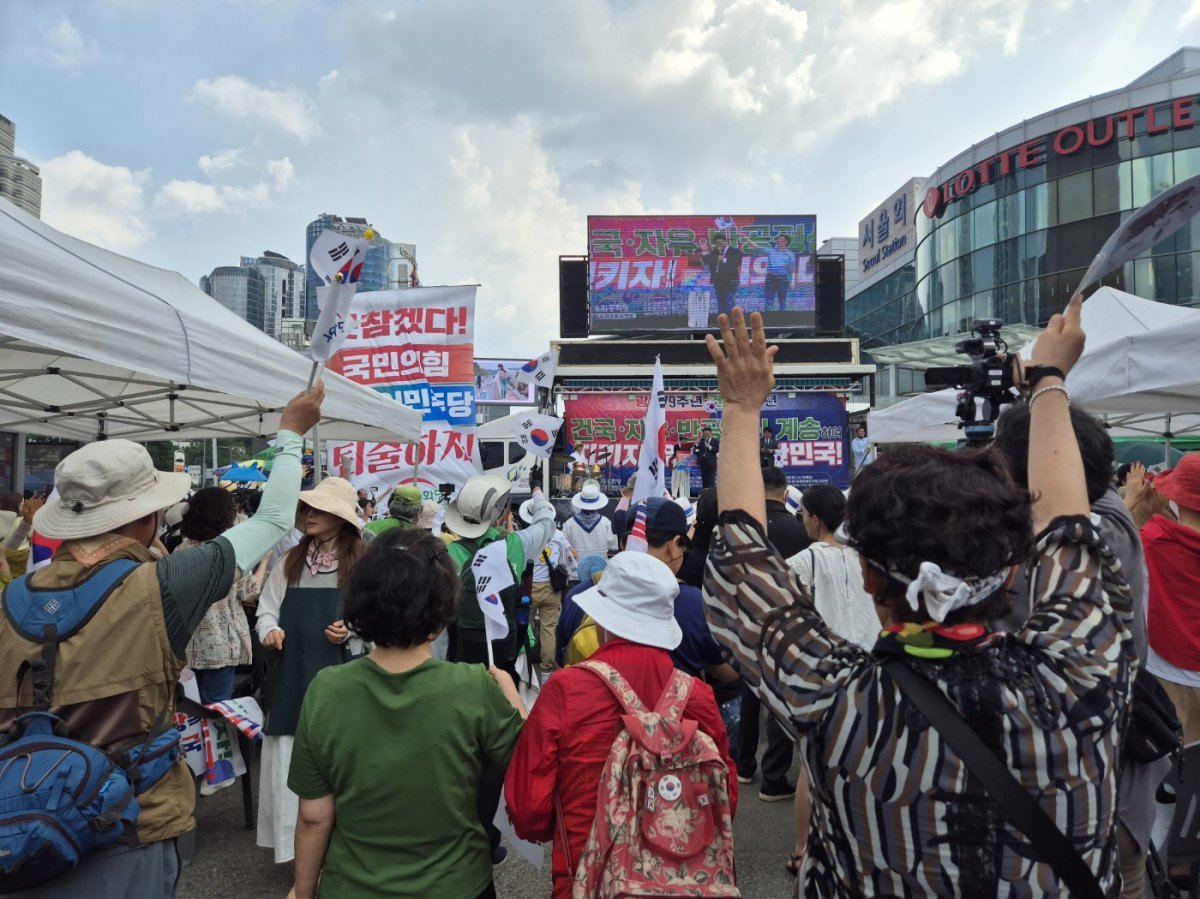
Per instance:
x=662, y=515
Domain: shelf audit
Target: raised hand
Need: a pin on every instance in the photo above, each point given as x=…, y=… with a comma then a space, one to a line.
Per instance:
x=743, y=359
x=1061, y=342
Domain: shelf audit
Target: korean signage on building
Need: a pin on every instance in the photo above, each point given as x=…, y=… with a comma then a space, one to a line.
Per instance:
x=1174, y=115
x=890, y=231
x=810, y=429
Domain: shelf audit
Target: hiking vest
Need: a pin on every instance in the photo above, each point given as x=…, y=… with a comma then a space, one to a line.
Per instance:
x=112, y=678
x=462, y=551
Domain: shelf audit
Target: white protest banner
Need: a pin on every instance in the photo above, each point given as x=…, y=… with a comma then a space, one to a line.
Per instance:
x=1149, y=226
x=417, y=346
x=539, y=371
x=492, y=575
x=537, y=433
x=652, y=460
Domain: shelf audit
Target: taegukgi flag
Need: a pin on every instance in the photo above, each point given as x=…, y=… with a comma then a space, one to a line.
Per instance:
x=537, y=433
x=652, y=460
x=492, y=575
x=337, y=260
x=539, y=371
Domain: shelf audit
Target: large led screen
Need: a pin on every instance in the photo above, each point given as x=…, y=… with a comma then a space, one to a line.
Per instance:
x=677, y=272
x=496, y=386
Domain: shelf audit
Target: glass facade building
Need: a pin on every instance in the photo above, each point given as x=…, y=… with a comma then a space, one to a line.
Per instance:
x=283, y=290
x=388, y=266
x=20, y=180
x=1008, y=228
x=240, y=290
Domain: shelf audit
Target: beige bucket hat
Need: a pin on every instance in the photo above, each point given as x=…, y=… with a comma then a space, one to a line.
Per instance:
x=336, y=496
x=105, y=485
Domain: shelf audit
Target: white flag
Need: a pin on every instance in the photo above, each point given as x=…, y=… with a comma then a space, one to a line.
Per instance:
x=336, y=254
x=492, y=575
x=652, y=460
x=539, y=371
x=1149, y=226
x=333, y=320
x=537, y=433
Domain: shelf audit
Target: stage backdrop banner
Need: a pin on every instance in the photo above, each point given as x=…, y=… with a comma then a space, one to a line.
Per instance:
x=417, y=346
x=810, y=427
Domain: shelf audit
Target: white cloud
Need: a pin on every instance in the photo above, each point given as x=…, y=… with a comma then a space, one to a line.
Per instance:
x=1192, y=15
x=180, y=198
x=64, y=47
x=281, y=173
x=219, y=162
x=102, y=204
x=288, y=111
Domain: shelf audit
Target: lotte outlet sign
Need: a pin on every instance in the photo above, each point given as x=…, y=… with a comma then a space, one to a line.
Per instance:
x=1065, y=142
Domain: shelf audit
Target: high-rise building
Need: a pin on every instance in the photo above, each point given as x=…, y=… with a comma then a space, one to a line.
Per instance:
x=283, y=286
x=388, y=265
x=241, y=290
x=20, y=180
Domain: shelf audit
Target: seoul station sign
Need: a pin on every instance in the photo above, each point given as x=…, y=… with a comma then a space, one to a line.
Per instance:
x=1065, y=142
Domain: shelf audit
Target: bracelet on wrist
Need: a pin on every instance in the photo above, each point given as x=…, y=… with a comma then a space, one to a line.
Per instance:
x=1050, y=388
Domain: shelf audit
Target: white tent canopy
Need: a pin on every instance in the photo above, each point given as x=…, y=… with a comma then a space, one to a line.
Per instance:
x=93, y=344
x=1137, y=367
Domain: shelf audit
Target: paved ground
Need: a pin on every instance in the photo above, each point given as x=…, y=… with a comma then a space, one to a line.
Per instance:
x=228, y=865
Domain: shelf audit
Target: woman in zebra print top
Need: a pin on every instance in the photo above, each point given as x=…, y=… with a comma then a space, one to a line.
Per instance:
x=894, y=811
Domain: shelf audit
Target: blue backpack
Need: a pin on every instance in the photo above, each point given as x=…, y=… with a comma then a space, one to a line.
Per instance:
x=61, y=798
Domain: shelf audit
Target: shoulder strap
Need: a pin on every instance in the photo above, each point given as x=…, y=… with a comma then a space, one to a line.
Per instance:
x=674, y=696
x=60, y=613
x=618, y=685
x=1047, y=841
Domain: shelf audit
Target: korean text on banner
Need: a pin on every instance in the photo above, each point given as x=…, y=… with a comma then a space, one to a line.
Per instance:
x=652, y=460
x=539, y=371
x=416, y=345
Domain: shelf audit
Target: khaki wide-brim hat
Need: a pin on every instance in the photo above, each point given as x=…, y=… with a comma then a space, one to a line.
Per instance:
x=336, y=496
x=105, y=485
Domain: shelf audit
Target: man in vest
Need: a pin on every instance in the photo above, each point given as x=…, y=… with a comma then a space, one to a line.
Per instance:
x=116, y=674
x=480, y=516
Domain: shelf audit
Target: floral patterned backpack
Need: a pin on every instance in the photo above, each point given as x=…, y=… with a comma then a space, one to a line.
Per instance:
x=663, y=825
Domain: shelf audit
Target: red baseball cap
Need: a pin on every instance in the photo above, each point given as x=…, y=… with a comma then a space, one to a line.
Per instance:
x=1181, y=483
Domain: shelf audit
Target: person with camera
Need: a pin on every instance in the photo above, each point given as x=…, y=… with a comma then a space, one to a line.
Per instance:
x=901, y=741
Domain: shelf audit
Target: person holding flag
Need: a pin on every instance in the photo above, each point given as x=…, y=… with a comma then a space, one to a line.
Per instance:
x=490, y=560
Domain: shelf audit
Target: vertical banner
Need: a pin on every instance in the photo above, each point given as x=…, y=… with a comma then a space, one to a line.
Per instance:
x=608, y=429
x=417, y=346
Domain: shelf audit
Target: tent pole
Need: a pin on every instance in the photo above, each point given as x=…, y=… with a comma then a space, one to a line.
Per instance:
x=1167, y=435
x=317, y=459
x=214, y=461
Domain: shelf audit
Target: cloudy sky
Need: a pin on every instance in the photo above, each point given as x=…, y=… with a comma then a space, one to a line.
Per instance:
x=188, y=134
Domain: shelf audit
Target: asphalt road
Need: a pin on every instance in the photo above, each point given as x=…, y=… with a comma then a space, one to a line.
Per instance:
x=228, y=864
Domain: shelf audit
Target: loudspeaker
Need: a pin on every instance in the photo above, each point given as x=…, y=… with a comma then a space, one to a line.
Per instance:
x=831, y=295
x=573, y=309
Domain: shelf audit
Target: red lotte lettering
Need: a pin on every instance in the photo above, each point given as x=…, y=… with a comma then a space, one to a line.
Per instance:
x=1100, y=132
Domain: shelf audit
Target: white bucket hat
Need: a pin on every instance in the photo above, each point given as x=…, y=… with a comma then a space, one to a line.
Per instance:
x=477, y=505
x=635, y=600
x=589, y=498
x=105, y=485
x=688, y=509
x=336, y=496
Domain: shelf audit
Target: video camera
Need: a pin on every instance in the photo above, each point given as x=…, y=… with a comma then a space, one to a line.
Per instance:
x=446, y=491
x=987, y=376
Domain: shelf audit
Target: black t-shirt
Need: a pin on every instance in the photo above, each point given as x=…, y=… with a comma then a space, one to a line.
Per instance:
x=785, y=530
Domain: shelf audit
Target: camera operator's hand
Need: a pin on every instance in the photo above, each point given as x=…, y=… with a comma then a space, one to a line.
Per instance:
x=1061, y=342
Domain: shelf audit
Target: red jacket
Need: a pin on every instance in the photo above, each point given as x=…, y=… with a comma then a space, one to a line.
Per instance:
x=566, y=741
x=1173, y=562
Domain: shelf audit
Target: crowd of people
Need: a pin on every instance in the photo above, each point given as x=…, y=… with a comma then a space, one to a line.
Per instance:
x=1013, y=593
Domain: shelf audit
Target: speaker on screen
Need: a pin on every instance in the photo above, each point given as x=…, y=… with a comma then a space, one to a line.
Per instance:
x=831, y=294
x=573, y=296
